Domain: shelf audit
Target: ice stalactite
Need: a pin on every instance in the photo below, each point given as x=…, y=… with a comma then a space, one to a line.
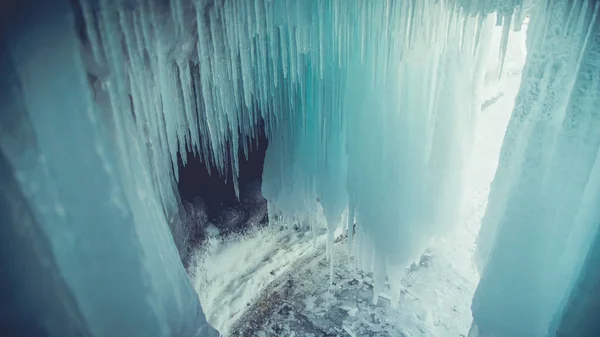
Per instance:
x=408, y=89
x=542, y=213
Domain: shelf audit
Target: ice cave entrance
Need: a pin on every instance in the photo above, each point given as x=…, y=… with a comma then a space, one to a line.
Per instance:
x=299, y=168
x=264, y=279
x=211, y=206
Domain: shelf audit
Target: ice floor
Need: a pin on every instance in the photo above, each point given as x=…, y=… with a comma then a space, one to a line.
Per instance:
x=273, y=282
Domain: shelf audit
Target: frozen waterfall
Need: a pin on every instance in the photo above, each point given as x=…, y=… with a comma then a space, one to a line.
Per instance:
x=369, y=108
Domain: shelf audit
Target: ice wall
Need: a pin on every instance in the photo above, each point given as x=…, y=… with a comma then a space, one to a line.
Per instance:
x=543, y=206
x=384, y=120
x=580, y=314
x=89, y=210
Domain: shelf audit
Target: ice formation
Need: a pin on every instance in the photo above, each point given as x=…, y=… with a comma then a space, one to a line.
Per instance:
x=542, y=213
x=324, y=77
x=369, y=108
x=89, y=197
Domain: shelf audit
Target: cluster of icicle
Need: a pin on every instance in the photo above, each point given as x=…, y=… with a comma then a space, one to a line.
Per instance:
x=369, y=106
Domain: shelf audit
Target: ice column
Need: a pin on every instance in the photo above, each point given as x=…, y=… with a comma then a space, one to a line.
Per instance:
x=542, y=211
x=89, y=190
x=580, y=315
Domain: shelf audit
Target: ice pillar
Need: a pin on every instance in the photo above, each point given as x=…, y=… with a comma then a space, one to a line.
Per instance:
x=542, y=210
x=96, y=229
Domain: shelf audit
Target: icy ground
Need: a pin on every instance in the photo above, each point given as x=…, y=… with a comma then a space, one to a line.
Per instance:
x=273, y=282
x=230, y=273
x=301, y=303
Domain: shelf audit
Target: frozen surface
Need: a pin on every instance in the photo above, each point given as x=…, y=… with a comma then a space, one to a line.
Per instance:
x=97, y=218
x=230, y=273
x=543, y=207
x=580, y=313
x=434, y=299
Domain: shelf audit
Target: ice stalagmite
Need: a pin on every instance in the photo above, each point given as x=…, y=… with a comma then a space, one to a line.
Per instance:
x=543, y=209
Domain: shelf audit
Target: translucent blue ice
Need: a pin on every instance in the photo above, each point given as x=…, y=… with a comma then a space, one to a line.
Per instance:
x=369, y=108
x=543, y=210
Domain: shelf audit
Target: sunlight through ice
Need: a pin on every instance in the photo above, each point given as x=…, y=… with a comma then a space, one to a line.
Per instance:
x=233, y=274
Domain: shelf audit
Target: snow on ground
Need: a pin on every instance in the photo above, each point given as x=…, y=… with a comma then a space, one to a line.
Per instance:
x=230, y=273
x=273, y=282
x=435, y=301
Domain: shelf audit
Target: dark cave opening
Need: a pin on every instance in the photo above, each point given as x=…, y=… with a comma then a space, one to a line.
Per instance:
x=210, y=204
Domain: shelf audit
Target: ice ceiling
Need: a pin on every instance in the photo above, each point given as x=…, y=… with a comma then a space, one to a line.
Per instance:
x=369, y=108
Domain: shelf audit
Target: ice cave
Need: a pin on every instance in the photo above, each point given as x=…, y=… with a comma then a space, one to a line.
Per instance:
x=175, y=168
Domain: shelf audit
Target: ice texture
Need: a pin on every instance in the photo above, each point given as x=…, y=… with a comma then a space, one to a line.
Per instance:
x=369, y=108
x=90, y=212
x=382, y=116
x=579, y=317
x=542, y=213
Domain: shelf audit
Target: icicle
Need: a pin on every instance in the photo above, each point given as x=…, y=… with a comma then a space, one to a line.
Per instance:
x=312, y=224
x=330, y=242
x=92, y=34
x=378, y=276
x=350, y=229
x=478, y=30
x=504, y=42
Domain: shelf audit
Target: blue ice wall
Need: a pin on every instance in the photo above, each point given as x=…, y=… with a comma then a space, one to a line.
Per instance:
x=92, y=227
x=580, y=314
x=384, y=108
x=543, y=207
